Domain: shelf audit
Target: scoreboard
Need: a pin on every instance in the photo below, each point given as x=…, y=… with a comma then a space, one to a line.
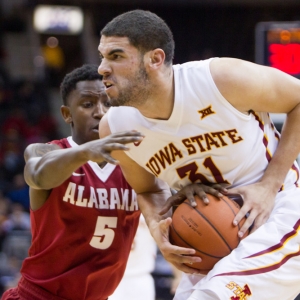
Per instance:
x=277, y=44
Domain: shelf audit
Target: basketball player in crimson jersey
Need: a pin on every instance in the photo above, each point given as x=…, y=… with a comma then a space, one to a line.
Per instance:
x=208, y=121
x=84, y=214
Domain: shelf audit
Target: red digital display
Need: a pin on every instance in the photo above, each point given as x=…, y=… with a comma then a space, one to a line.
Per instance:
x=278, y=46
x=285, y=57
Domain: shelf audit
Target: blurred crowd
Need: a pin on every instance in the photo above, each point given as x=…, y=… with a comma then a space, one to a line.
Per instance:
x=24, y=118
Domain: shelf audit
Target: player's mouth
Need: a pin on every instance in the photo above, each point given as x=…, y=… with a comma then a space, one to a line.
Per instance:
x=107, y=84
x=96, y=128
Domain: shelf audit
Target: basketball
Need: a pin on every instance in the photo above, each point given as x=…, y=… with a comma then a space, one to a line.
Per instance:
x=206, y=228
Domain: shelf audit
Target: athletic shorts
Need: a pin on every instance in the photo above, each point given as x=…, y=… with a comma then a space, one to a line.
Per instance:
x=28, y=291
x=11, y=294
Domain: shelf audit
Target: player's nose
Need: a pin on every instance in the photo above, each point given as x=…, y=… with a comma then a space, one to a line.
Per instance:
x=104, y=67
x=99, y=111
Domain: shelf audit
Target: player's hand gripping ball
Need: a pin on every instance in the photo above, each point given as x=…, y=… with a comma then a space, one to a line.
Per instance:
x=206, y=228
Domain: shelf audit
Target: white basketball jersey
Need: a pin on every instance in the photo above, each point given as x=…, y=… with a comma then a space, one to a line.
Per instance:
x=205, y=139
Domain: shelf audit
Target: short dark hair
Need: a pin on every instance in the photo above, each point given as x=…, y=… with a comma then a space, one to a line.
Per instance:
x=145, y=31
x=86, y=72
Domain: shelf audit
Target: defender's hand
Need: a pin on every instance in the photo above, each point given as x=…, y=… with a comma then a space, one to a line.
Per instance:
x=100, y=150
x=189, y=191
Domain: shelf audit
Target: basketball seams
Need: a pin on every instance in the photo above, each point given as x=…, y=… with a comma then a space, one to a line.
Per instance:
x=211, y=224
x=202, y=252
x=209, y=228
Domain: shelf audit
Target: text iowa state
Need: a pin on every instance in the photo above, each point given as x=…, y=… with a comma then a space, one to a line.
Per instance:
x=195, y=144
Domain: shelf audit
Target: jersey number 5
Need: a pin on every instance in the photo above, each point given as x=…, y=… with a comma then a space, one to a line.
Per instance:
x=104, y=234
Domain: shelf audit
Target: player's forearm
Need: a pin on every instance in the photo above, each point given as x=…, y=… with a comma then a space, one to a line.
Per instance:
x=53, y=168
x=286, y=153
x=151, y=204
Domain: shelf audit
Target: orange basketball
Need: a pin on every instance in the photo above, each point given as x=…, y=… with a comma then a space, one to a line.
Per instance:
x=206, y=228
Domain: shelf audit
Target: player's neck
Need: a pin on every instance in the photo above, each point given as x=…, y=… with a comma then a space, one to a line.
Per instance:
x=102, y=164
x=160, y=103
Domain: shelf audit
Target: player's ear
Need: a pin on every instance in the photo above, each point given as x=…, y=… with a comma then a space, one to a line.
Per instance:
x=66, y=114
x=156, y=58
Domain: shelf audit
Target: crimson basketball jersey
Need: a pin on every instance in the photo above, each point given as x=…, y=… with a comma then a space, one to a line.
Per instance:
x=205, y=139
x=82, y=235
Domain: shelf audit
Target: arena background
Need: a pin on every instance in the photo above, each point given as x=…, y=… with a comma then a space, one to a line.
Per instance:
x=32, y=64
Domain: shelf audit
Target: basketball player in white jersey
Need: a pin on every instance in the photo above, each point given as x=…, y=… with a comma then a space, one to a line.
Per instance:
x=208, y=122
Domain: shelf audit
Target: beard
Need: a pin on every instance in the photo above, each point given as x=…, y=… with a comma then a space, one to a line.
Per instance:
x=136, y=91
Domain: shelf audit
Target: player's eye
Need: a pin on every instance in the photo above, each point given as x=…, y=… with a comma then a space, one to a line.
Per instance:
x=107, y=104
x=87, y=104
x=116, y=56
